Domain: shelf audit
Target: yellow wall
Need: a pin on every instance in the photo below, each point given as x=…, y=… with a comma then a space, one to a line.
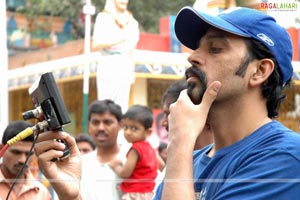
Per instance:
x=139, y=92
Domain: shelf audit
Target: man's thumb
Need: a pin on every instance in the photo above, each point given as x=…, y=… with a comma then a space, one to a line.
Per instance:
x=211, y=93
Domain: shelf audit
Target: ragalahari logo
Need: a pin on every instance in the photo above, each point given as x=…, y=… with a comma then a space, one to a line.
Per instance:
x=274, y=5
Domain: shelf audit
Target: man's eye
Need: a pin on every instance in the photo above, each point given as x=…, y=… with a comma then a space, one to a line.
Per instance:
x=95, y=123
x=215, y=50
x=16, y=152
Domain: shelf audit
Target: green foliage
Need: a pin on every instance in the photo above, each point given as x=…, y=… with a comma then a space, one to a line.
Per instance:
x=66, y=9
x=147, y=12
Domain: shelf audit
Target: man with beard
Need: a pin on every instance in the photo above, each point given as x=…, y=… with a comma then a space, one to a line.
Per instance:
x=246, y=59
x=98, y=180
x=13, y=159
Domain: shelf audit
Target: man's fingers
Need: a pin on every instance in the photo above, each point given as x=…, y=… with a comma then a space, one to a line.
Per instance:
x=183, y=96
x=48, y=141
x=210, y=95
x=208, y=98
x=44, y=146
x=71, y=143
x=49, y=135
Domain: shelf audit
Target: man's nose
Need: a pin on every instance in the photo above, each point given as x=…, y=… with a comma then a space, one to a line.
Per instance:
x=101, y=126
x=196, y=58
x=22, y=157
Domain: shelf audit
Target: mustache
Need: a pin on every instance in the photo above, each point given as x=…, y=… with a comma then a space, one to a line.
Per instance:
x=194, y=71
x=20, y=165
x=101, y=133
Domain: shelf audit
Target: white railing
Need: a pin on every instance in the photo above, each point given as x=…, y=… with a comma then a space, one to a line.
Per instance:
x=145, y=62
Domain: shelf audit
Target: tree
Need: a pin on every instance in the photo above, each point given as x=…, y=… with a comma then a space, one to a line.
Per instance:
x=147, y=12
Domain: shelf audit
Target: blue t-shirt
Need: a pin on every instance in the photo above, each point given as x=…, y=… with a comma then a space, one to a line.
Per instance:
x=264, y=165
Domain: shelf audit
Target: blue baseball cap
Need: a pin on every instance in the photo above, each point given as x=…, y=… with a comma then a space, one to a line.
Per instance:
x=191, y=25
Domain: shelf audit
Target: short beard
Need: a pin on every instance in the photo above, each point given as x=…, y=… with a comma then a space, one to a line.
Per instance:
x=196, y=94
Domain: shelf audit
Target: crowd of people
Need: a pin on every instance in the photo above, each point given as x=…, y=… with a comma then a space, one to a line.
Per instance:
x=223, y=139
x=110, y=170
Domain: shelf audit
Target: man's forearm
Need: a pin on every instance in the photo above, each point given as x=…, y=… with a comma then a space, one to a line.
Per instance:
x=178, y=182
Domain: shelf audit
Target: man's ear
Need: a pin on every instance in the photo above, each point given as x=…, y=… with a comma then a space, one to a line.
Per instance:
x=264, y=69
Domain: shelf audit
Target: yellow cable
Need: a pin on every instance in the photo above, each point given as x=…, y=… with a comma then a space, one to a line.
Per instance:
x=22, y=135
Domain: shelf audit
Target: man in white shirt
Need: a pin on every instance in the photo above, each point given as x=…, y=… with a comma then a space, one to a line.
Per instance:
x=98, y=180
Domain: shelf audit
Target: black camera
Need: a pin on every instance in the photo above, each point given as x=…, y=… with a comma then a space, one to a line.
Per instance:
x=49, y=106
